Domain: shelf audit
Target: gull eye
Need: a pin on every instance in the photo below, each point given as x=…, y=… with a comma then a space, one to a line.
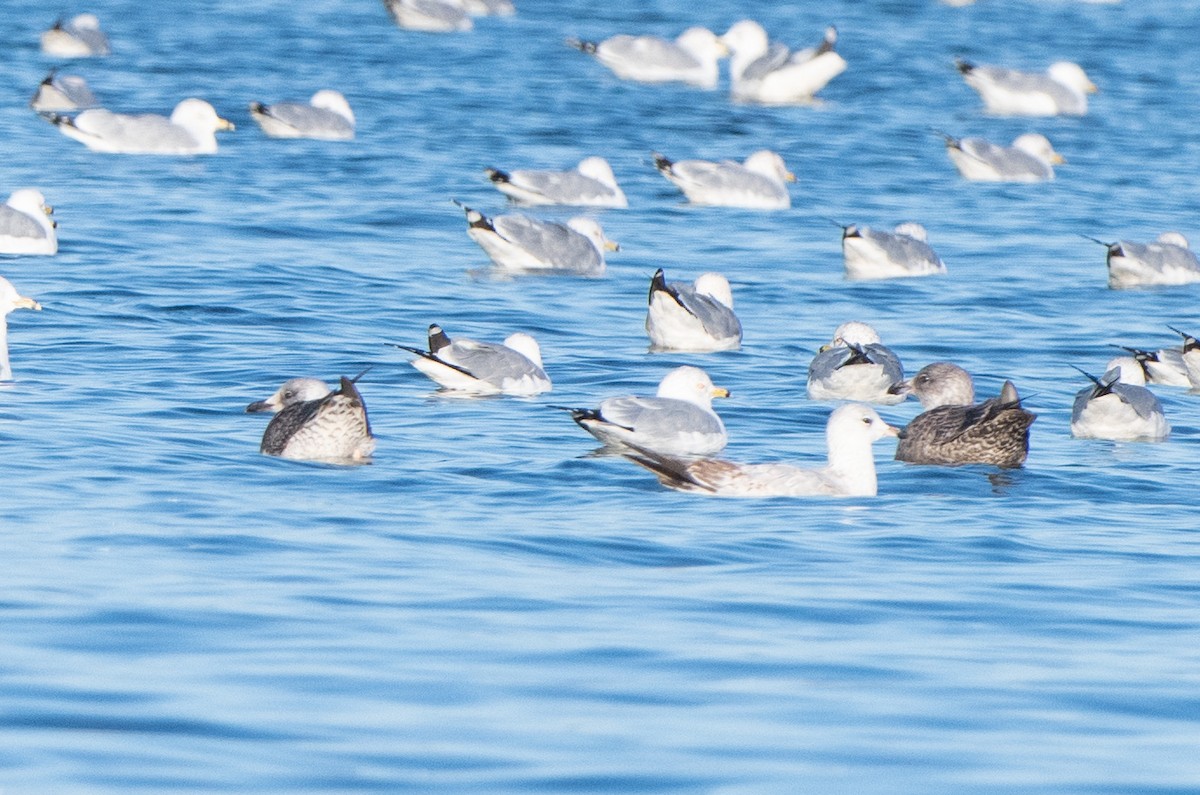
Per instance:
x=867, y=420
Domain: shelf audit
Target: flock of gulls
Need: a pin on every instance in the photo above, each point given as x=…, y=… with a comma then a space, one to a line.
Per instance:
x=675, y=433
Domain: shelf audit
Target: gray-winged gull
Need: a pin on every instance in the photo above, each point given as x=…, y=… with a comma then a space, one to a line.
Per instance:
x=26, y=226
x=521, y=244
x=1059, y=91
x=1031, y=158
x=759, y=182
x=877, y=254
x=190, y=130
x=691, y=58
x=855, y=365
x=695, y=317
x=769, y=73
x=10, y=299
x=483, y=368
x=1113, y=409
x=326, y=116
x=1167, y=261
x=61, y=93
x=589, y=184
x=79, y=37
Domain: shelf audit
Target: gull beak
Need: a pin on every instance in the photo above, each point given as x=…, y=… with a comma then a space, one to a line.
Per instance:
x=47, y=209
x=824, y=348
x=720, y=391
x=1057, y=159
x=260, y=405
x=902, y=388
x=789, y=177
x=27, y=303
x=612, y=245
x=723, y=48
x=1091, y=88
x=225, y=124
x=892, y=430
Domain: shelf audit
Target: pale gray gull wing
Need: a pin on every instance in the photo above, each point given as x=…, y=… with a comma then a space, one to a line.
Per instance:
x=327, y=116
x=483, y=368
x=692, y=317
x=26, y=226
x=1110, y=409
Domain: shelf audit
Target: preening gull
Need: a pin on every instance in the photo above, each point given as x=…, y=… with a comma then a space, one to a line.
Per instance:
x=876, y=254
x=1166, y=262
x=431, y=16
x=850, y=471
x=769, y=73
x=10, y=299
x=1031, y=158
x=189, y=131
x=327, y=116
x=1059, y=91
x=691, y=58
x=1112, y=409
x=81, y=37
x=678, y=420
x=526, y=245
x=954, y=429
x=483, y=368
x=855, y=365
x=26, y=226
x=590, y=184
x=759, y=182
x=332, y=427
x=62, y=92
x=695, y=317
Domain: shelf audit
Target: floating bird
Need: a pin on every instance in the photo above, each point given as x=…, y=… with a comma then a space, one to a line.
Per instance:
x=1123, y=412
x=526, y=245
x=770, y=74
x=758, y=183
x=430, y=16
x=1167, y=261
x=1031, y=158
x=875, y=254
x=332, y=427
x=1059, y=91
x=691, y=58
x=81, y=37
x=695, y=317
x=489, y=8
x=850, y=471
x=483, y=368
x=954, y=429
x=1164, y=367
x=327, y=117
x=189, y=131
x=1190, y=356
x=855, y=365
x=26, y=226
x=590, y=184
x=62, y=92
x=678, y=420
x=10, y=299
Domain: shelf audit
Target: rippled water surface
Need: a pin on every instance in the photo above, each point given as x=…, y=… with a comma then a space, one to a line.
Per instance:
x=487, y=607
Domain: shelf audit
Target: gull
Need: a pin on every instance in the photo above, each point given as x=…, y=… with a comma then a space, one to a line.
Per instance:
x=526, y=245
x=26, y=226
x=81, y=37
x=691, y=58
x=326, y=116
x=1114, y=409
x=1190, y=354
x=849, y=472
x=10, y=299
x=694, y=317
x=589, y=184
x=855, y=365
x=759, y=182
x=483, y=368
x=332, y=427
x=1031, y=158
x=190, y=130
x=1164, y=367
x=431, y=16
x=954, y=429
x=679, y=420
x=1059, y=91
x=876, y=254
x=62, y=92
x=1168, y=261
x=488, y=8
x=770, y=74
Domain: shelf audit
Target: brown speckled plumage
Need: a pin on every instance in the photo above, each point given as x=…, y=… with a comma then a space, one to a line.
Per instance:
x=995, y=432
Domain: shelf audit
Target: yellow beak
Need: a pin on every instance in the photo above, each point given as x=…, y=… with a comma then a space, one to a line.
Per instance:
x=27, y=303
x=225, y=124
x=720, y=391
x=612, y=245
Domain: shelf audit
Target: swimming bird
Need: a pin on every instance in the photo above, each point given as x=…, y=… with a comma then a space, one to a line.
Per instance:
x=522, y=244
x=1164, y=367
x=695, y=317
x=849, y=471
x=10, y=299
x=1059, y=91
x=770, y=74
x=1190, y=354
x=1168, y=261
x=81, y=37
x=875, y=254
x=1113, y=409
x=483, y=368
x=589, y=184
x=855, y=365
x=190, y=130
x=326, y=116
x=430, y=16
x=691, y=58
x=1031, y=158
x=26, y=226
x=954, y=429
x=759, y=182
x=332, y=427
x=62, y=92
x=679, y=420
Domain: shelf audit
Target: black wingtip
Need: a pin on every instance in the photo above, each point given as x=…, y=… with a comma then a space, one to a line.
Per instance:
x=964, y=66
x=588, y=47
x=497, y=176
x=661, y=163
x=858, y=355
x=258, y=107
x=1190, y=343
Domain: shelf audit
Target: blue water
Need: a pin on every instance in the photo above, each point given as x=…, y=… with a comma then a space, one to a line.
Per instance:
x=487, y=608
